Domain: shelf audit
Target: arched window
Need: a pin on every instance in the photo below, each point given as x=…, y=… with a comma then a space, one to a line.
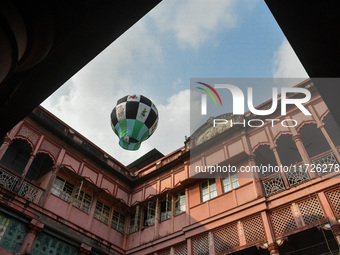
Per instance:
x=313, y=140
x=287, y=150
x=41, y=165
x=332, y=129
x=265, y=156
x=17, y=156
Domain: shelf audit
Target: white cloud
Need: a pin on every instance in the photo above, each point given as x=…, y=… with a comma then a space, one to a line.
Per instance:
x=194, y=22
x=89, y=97
x=287, y=64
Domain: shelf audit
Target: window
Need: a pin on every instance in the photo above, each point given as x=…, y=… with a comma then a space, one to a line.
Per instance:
x=208, y=190
x=180, y=203
x=166, y=208
x=118, y=222
x=83, y=201
x=134, y=221
x=102, y=212
x=62, y=189
x=231, y=182
x=149, y=214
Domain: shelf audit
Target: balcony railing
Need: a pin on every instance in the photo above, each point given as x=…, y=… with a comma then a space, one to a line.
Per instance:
x=273, y=184
x=325, y=164
x=8, y=180
x=26, y=190
x=298, y=174
x=30, y=192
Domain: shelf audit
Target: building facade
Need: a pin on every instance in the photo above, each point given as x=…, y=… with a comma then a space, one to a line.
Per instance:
x=61, y=194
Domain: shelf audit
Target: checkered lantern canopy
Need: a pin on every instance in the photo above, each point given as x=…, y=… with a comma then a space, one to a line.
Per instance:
x=134, y=119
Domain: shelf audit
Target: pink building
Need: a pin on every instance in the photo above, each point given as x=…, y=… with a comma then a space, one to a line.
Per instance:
x=61, y=194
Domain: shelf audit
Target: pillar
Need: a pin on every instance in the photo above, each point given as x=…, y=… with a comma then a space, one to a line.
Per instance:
x=49, y=186
x=4, y=146
x=211, y=243
x=304, y=155
x=189, y=246
x=34, y=227
x=273, y=249
x=256, y=180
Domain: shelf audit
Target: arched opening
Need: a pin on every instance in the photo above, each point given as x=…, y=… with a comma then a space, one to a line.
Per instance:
x=332, y=129
x=17, y=156
x=265, y=157
x=313, y=140
x=40, y=167
x=287, y=150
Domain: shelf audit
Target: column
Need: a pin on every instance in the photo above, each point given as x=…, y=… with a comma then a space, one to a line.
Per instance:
x=49, y=186
x=189, y=246
x=272, y=246
x=276, y=154
x=4, y=146
x=29, y=163
x=211, y=243
x=34, y=227
x=274, y=249
x=303, y=153
x=256, y=178
x=330, y=142
x=187, y=207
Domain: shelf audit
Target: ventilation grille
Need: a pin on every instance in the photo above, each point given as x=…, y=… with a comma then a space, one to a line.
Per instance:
x=201, y=245
x=283, y=221
x=253, y=229
x=334, y=199
x=226, y=238
x=311, y=210
x=181, y=249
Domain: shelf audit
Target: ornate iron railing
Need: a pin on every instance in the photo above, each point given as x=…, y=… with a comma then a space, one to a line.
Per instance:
x=325, y=164
x=30, y=192
x=26, y=190
x=273, y=184
x=7, y=179
x=297, y=175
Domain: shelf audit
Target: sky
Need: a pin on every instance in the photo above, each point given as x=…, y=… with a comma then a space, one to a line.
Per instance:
x=176, y=41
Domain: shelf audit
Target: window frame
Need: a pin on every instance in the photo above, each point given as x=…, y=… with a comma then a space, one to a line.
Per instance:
x=64, y=191
x=150, y=214
x=210, y=192
x=168, y=208
x=116, y=224
x=81, y=205
x=134, y=218
x=230, y=182
x=178, y=204
x=100, y=214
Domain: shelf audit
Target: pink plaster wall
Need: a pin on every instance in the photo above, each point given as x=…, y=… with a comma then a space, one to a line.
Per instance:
x=121, y=194
x=179, y=221
x=90, y=174
x=56, y=205
x=215, y=158
x=137, y=196
x=165, y=183
x=164, y=227
x=235, y=148
x=79, y=217
x=147, y=234
x=150, y=190
x=180, y=176
x=108, y=185
x=71, y=162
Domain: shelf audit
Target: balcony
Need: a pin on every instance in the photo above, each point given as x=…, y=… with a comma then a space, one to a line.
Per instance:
x=23, y=188
x=323, y=164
